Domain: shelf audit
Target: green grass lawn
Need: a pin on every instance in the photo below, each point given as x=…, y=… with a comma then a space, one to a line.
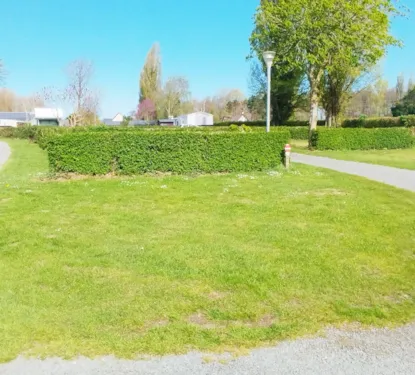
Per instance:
x=393, y=158
x=167, y=264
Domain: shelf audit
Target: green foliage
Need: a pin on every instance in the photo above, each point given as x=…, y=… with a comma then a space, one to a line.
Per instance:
x=234, y=128
x=374, y=122
x=21, y=132
x=177, y=152
x=380, y=122
x=408, y=121
x=362, y=139
x=286, y=94
x=406, y=106
x=246, y=129
x=297, y=132
x=263, y=123
x=305, y=34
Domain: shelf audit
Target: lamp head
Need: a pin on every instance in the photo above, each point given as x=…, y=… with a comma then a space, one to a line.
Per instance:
x=269, y=57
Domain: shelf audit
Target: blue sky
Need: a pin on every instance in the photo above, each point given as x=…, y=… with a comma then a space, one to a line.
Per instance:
x=205, y=41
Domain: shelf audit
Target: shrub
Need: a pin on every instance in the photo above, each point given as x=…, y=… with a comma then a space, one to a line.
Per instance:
x=234, y=128
x=22, y=132
x=177, y=152
x=377, y=122
x=408, y=121
x=298, y=132
x=6, y=132
x=263, y=123
x=362, y=139
x=245, y=129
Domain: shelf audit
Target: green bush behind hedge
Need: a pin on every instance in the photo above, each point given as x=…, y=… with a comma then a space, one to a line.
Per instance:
x=362, y=139
x=178, y=152
x=263, y=123
x=380, y=122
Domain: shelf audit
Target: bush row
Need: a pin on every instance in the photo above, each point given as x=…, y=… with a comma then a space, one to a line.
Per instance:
x=263, y=123
x=177, y=152
x=380, y=122
x=40, y=134
x=362, y=139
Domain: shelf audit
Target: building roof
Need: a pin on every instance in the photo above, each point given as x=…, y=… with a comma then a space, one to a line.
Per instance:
x=16, y=116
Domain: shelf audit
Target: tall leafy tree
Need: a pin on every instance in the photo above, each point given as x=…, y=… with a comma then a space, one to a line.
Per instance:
x=400, y=87
x=411, y=85
x=312, y=35
x=406, y=106
x=175, y=93
x=337, y=88
x=150, y=77
x=286, y=93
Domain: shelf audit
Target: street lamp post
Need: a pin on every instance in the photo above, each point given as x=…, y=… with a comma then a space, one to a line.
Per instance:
x=269, y=59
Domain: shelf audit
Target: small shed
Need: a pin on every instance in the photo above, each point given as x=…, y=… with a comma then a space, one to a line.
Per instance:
x=195, y=119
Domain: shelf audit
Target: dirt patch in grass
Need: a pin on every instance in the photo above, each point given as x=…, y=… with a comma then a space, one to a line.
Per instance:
x=215, y=295
x=199, y=319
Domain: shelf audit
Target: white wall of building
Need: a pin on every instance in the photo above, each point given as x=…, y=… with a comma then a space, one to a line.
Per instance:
x=9, y=123
x=196, y=119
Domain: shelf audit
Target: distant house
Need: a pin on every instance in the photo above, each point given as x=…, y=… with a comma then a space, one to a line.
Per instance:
x=195, y=119
x=240, y=118
x=115, y=121
x=39, y=116
x=119, y=118
x=47, y=116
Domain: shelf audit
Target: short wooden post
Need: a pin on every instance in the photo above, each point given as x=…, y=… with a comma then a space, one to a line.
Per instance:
x=287, y=158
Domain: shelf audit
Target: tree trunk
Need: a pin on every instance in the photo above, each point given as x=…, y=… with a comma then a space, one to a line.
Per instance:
x=313, y=112
x=334, y=121
x=329, y=119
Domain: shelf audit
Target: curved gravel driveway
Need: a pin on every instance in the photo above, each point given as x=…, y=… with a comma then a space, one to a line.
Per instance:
x=376, y=352
x=401, y=178
x=4, y=152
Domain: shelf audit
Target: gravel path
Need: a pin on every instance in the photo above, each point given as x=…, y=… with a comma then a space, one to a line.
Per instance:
x=4, y=152
x=401, y=178
x=376, y=352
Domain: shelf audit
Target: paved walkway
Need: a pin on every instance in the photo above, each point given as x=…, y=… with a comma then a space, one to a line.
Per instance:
x=401, y=178
x=376, y=352
x=4, y=152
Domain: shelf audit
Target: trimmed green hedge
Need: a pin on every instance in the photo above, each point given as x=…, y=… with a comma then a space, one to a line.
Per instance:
x=380, y=122
x=263, y=123
x=362, y=139
x=297, y=132
x=177, y=152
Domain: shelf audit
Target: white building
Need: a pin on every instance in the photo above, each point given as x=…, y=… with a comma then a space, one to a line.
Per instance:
x=40, y=116
x=195, y=119
x=47, y=116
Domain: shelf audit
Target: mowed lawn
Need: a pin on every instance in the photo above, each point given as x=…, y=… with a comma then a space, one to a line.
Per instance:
x=393, y=158
x=169, y=264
